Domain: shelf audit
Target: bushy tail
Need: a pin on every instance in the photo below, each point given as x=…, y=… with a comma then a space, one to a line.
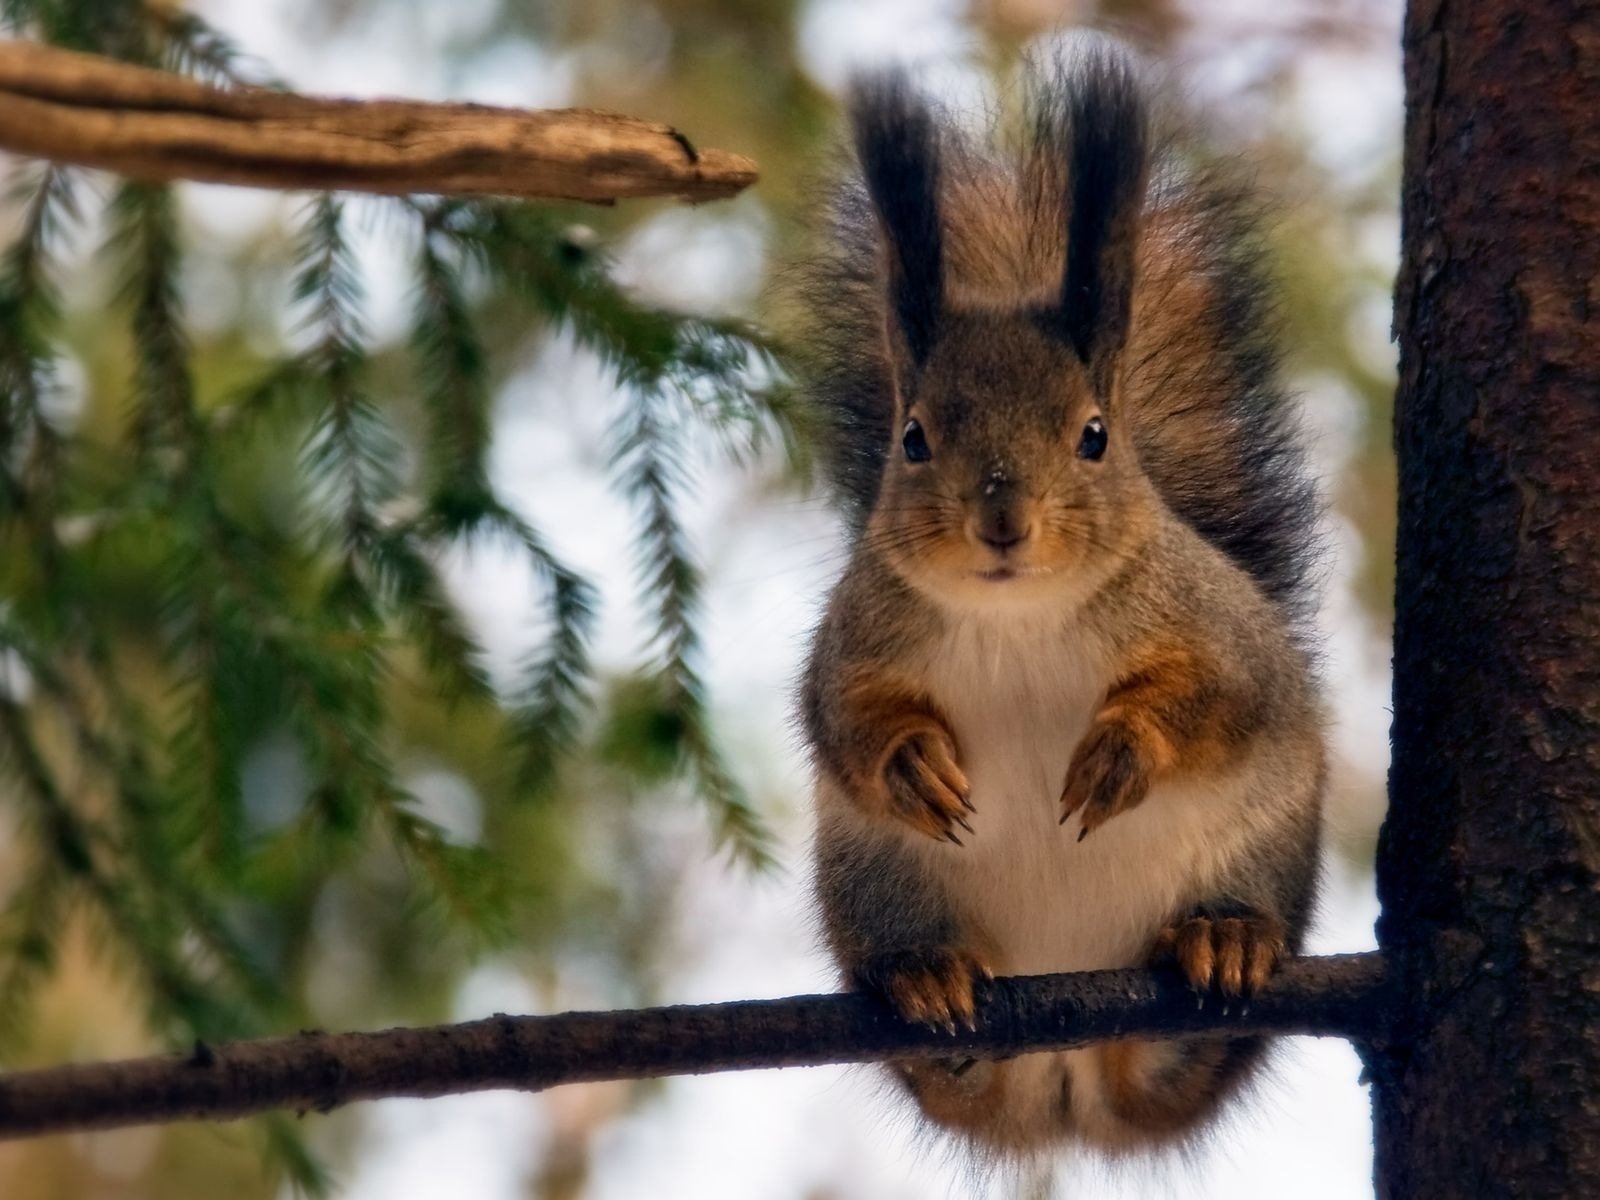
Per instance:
x=1201, y=384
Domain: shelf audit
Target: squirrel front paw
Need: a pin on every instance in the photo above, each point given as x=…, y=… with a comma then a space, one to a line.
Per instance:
x=927, y=788
x=1234, y=955
x=1109, y=774
x=937, y=986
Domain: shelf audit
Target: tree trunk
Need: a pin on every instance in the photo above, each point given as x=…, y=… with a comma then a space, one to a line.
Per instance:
x=1489, y=864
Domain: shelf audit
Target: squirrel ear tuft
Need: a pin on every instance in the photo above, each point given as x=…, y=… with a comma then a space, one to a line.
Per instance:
x=897, y=145
x=1099, y=112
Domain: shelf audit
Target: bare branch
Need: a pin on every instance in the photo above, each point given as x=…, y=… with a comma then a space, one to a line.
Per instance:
x=1344, y=996
x=80, y=108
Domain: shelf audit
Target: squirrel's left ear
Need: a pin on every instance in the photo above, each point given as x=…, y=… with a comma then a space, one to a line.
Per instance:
x=1104, y=122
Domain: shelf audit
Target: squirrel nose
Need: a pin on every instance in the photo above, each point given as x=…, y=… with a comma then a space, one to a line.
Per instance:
x=999, y=528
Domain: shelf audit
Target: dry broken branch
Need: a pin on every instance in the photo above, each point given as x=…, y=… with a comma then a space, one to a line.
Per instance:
x=92, y=111
x=1343, y=995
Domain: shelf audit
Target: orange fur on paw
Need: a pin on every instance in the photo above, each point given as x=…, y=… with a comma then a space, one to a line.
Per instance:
x=1166, y=715
x=937, y=987
x=927, y=788
x=1232, y=955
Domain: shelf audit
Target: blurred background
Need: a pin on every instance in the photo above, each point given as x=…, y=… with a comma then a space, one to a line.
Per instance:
x=641, y=582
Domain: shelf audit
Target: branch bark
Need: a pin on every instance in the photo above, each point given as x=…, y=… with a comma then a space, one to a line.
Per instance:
x=96, y=112
x=1345, y=995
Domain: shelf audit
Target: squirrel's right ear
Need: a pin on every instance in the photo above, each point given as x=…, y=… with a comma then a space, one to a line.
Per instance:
x=1099, y=115
x=897, y=145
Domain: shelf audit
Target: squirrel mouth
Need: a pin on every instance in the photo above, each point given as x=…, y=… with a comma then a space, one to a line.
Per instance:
x=1006, y=571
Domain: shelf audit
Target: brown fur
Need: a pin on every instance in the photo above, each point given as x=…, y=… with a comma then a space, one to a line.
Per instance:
x=1135, y=588
x=1163, y=1090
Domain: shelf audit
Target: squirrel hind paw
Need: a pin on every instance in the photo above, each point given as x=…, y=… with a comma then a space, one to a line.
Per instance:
x=938, y=987
x=1233, y=955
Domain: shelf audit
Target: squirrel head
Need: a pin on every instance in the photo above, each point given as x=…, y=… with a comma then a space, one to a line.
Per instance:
x=1011, y=477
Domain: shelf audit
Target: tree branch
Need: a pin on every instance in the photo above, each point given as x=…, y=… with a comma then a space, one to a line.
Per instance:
x=1344, y=995
x=144, y=124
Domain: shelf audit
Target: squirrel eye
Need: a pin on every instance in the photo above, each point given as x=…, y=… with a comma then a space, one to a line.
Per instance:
x=1093, y=442
x=915, y=443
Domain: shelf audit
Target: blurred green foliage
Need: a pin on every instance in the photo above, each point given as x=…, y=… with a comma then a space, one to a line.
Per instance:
x=229, y=661
x=232, y=547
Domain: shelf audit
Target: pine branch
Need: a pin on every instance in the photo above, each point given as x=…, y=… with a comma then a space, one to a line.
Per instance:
x=145, y=237
x=464, y=882
x=151, y=125
x=30, y=444
x=454, y=369
x=649, y=459
x=31, y=920
x=143, y=932
x=119, y=28
x=551, y=700
x=68, y=836
x=553, y=696
x=725, y=372
x=178, y=904
x=196, y=48
x=1343, y=996
x=28, y=927
x=678, y=372
x=253, y=623
x=349, y=451
x=409, y=586
x=285, y=1146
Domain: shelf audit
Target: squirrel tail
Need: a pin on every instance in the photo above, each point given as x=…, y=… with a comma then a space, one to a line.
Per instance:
x=993, y=220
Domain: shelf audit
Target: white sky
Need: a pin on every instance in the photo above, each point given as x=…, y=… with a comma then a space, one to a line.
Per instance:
x=793, y=1133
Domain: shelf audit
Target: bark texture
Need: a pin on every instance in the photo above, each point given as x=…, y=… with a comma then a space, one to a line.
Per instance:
x=79, y=108
x=1489, y=864
x=1343, y=995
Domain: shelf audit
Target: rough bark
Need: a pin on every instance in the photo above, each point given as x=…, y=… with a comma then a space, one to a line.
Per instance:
x=1489, y=864
x=79, y=108
x=1343, y=995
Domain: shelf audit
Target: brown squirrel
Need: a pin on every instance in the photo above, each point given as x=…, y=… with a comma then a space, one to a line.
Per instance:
x=1062, y=705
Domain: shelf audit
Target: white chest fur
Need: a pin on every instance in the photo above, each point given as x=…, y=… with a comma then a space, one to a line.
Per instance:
x=1020, y=697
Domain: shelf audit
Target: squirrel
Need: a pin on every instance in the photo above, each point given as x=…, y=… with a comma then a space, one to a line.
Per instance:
x=1062, y=705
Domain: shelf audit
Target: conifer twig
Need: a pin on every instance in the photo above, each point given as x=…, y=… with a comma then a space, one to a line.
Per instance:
x=1342, y=995
x=154, y=125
